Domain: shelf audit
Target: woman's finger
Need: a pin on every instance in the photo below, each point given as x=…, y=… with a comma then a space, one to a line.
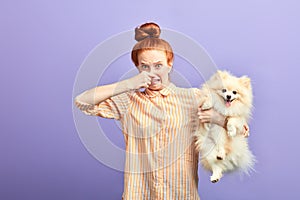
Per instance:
x=204, y=118
x=205, y=112
x=205, y=121
x=246, y=130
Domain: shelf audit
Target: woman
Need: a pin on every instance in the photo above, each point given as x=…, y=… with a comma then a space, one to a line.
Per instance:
x=158, y=124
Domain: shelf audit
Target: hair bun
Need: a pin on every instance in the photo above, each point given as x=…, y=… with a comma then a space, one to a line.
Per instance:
x=147, y=30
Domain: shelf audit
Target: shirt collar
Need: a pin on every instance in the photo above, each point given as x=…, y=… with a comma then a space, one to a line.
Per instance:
x=165, y=91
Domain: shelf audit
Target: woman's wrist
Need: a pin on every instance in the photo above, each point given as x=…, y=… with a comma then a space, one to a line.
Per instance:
x=220, y=119
x=127, y=85
x=212, y=116
x=224, y=124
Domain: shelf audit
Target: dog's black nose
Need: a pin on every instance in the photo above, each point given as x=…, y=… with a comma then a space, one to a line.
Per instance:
x=228, y=96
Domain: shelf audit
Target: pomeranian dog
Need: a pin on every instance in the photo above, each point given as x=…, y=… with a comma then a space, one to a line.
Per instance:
x=225, y=150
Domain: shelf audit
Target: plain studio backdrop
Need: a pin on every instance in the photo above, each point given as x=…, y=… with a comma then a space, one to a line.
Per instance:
x=43, y=44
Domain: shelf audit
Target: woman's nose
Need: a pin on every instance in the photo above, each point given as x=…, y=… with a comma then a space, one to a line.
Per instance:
x=151, y=69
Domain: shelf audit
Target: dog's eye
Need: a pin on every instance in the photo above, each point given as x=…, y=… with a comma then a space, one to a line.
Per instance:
x=234, y=92
x=224, y=90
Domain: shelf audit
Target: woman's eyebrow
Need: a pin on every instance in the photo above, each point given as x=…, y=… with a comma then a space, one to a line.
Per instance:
x=144, y=63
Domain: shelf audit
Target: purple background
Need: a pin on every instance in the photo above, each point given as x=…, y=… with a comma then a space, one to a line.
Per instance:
x=43, y=43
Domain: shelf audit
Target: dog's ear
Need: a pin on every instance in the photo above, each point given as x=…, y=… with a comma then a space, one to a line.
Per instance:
x=218, y=75
x=245, y=81
x=222, y=74
x=216, y=78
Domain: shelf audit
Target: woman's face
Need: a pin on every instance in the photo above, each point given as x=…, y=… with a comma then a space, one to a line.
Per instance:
x=155, y=62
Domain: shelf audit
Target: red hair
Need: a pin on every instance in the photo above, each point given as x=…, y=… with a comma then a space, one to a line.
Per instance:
x=147, y=36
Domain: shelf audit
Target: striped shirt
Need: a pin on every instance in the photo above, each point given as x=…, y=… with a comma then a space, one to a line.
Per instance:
x=158, y=128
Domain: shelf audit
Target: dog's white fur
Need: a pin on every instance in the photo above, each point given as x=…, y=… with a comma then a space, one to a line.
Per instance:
x=226, y=150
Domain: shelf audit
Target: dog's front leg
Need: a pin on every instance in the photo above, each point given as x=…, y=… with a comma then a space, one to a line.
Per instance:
x=232, y=123
x=207, y=104
x=235, y=125
x=216, y=174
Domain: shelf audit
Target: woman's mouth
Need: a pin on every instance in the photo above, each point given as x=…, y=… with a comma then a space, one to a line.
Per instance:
x=155, y=80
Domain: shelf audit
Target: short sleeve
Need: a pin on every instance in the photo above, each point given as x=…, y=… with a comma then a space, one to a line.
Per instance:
x=197, y=94
x=113, y=107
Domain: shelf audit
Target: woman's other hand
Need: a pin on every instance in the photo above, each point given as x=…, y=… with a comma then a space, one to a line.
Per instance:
x=214, y=117
x=211, y=116
x=246, y=130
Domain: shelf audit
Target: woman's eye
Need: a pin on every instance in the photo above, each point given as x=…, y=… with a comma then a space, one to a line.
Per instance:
x=144, y=66
x=234, y=92
x=158, y=66
x=224, y=90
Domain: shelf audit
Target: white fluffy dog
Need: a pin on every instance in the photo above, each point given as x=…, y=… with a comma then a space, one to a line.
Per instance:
x=224, y=150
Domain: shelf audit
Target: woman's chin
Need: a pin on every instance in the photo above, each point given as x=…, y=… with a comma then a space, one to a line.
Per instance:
x=155, y=87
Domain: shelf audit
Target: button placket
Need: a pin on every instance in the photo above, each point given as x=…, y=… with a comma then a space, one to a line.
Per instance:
x=161, y=144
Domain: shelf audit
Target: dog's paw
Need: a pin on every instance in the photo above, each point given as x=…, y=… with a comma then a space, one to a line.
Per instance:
x=214, y=180
x=231, y=130
x=215, y=177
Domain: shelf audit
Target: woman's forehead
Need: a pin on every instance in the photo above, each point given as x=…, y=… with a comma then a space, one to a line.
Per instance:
x=152, y=56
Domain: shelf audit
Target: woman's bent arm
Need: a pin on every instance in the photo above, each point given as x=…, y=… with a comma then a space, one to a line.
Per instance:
x=100, y=93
